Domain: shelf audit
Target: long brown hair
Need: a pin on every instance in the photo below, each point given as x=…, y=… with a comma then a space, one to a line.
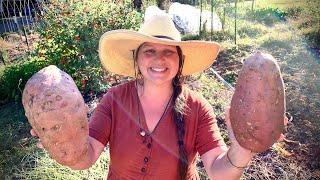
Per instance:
x=178, y=110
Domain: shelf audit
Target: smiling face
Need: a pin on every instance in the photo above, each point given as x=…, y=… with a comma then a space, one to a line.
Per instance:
x=158, y=63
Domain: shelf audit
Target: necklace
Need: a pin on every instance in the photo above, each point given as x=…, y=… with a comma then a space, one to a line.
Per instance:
x=142, y=132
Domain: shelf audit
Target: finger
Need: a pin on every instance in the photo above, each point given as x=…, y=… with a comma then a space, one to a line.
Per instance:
x=40, y=145
x=33, y=133
x=281, y=138
x=227, y=116
x=285, y=121
x=228, y=122
x=87, y=108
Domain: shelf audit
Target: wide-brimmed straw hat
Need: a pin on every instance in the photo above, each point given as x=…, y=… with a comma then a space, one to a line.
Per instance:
x=117, y=47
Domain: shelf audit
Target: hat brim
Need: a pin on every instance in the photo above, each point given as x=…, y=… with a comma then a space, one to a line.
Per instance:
x=116, y=51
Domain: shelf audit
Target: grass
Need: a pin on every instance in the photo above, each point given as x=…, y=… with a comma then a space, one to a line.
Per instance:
x=212, y=90
x=39, y=165
x=283, y=4
x=15, y=142
x=251, y=31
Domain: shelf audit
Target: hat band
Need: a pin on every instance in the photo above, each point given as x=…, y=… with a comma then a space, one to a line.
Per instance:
x=163, y=37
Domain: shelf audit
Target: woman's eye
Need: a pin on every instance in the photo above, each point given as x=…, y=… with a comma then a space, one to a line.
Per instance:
x=150, y=52
x=168, y=53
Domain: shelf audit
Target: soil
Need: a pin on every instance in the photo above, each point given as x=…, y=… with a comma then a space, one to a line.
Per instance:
x=16, y=46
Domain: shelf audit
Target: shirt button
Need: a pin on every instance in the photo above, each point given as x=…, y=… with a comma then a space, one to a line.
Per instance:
x=149, y=145
x=143, y=170
x=146, y=160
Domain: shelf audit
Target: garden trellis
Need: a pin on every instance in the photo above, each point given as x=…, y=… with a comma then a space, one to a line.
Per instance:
x=223, y=8
x=17, y=14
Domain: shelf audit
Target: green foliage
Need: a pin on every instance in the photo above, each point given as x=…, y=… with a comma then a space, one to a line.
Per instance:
x=218, y=36
x=188, y=37
x=312, y=9
x=71, y=34
x=234, y=53
x=294, y=12
x=14, y=77
x=312, y=35
x=212, y=90
x=4, y=56
x=309, y=23
x=231, y=77
x=251, y=31
x=231, y=56
x=267, y=16
x=278, y=47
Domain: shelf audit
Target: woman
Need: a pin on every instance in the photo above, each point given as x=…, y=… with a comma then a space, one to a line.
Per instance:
x=154, y=125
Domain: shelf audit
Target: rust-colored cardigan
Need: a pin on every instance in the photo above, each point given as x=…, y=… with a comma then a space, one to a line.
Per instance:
x=155, y=156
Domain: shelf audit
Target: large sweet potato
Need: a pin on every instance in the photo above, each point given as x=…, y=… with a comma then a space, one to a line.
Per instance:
x=257, y=112
x=57, y=112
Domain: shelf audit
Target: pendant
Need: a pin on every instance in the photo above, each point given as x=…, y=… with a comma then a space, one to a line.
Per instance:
x=142, y=133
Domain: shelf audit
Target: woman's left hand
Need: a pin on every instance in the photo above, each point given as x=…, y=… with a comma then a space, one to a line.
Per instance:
x=239, y=155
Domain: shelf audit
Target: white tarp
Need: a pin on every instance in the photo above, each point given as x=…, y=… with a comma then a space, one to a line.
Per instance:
x=187, y=18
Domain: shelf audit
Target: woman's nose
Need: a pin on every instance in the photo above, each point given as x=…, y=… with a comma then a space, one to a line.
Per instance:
x=160, y=56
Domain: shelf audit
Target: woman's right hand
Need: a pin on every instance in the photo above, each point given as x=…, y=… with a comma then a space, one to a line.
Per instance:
x=34, y=134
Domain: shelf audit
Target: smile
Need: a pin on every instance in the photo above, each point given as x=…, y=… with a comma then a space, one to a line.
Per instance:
x=158, y=69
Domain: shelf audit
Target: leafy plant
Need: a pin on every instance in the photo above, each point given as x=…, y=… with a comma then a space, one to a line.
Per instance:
x=267, y=16
x=71, y=33
x=251, y=31
x=218, y=36
x=312, y=35
x=69, y=38
x=309, y=23
x=15, y=76
x=294, y=12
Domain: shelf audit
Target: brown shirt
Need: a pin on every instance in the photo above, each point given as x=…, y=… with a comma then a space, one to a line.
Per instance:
x=155, y=156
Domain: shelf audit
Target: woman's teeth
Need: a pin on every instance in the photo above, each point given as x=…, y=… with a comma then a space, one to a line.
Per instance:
x=158, y=69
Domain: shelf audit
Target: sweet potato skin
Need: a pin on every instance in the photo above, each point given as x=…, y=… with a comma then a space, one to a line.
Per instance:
x=257, y=112
x=56, y=111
